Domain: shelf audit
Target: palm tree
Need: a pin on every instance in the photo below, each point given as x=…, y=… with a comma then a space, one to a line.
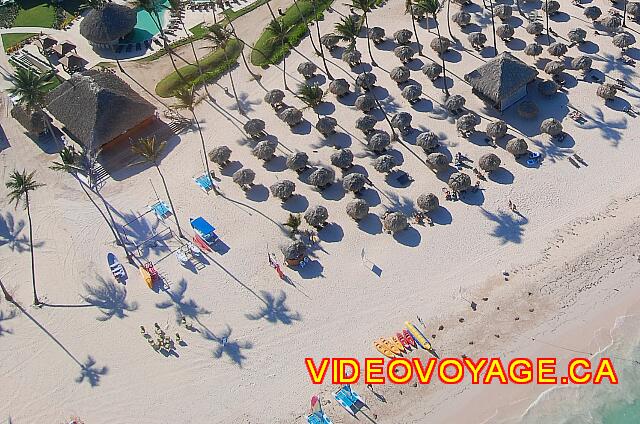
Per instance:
x=365, y=6
x=624, y=13
x=546, y=8
x=71, y=163
x=151, y=7
x=317, y=24
x=449, y=21
x=5, y=293
x=220, y=37
x=303, y=18
x=311, y=95
x=293, y=222
x=493, y=26
x=409, y=9
x=187, y=99
x=31, y=91
x=280, y=34
x=19, y=185
x=348, y=29
x=149, y=150
x=431, y=7
x=244, y=59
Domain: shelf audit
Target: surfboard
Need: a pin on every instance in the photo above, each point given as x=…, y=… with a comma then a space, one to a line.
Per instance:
x=382, y=348
x=418, y=336
x=146, y=276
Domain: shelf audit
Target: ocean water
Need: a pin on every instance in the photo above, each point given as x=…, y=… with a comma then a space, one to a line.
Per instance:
x=598, y=404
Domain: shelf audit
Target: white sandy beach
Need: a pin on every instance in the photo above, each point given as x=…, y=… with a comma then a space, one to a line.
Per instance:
x=573, y=242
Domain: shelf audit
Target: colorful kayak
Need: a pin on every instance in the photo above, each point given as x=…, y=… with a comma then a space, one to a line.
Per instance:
x=409, y=338
x=383, y=349
x=405, y=343
x=392, y=347
x=146, y=276
x=418, y=336
x=201, y=243
x=398, y=344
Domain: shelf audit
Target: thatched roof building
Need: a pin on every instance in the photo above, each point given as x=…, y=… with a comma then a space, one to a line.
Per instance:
x=98, y=108
x=103, y=27
x=502, y=81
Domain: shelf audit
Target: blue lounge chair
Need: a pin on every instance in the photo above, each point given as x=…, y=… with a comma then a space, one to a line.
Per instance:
x=204, y=182
x=348, y=399
x=161, y=209
x=205, y=230
x=319, y=417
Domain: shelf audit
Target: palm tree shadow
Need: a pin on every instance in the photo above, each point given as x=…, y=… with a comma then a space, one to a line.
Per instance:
x=11, y=315
x=509, y=226
x=275, y=309
x=232, y=349
x=90, y=372
x=183, y=307
x=10, y=234
x=110, y=299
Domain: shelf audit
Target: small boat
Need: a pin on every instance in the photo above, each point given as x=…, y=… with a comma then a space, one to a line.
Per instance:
x=409, y=338
x=402, y=339
x=146, y=276
x=382, y=348
x=392, y=347
x=396, y=342
x=116, y=267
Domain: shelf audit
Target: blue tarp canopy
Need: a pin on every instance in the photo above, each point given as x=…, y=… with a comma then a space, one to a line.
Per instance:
x=202, y=226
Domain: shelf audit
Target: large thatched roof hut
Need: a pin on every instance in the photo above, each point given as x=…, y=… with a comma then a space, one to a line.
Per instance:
x=502, y=81
x=98, y=108
x=103, y=27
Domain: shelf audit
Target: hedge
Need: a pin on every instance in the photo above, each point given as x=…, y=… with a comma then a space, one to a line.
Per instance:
x=213, y=65
x=268, y=53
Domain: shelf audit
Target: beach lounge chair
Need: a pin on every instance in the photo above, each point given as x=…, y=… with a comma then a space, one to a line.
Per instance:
x=205, y=182
x=161, y=209
x=349, y=400
x=319, y=417
x=205, y=230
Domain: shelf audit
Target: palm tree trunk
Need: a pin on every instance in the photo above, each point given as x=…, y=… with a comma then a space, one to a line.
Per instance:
x=384, y=112
x=5, y=293
x=415, y=31
x=244, y=59
x=195, y=55
x=303, y=19
x=519, y=8
x=173, y=210
x=284, y=66
x=36, y=301
x=624, y=14
x=324, y=59
x=366, y=23
x=444, y=69
x=546, y=7
x=50, y=129
x=84, y=189
x=204, y=150
x=271, y=10
x=166, y=46
x=493, y=26
x=449, y=21
x=233, y=86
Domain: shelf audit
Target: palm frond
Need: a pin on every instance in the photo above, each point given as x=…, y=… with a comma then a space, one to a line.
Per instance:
x=20, y=184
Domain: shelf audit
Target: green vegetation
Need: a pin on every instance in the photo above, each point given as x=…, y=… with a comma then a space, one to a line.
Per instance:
x=213, y=65
x=268, y=53
x=199, y=30
x=233, y=15
x=35, y=13
x=11, y=40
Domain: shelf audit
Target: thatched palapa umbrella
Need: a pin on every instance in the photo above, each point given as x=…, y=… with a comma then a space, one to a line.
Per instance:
x=376, y=34
x=404, y=53
x=294, y=252
x=592, y=13
x=412, y=93
x=104, y=26
x=557, y=49
x=403, y=36
x=555, y=68
x=551, y=126
x=265, y=150
x=461, y=18
x=428, y=202
x=400, y=74
x=527, y=109
x=274, y=97
x=402, y=121
x=395, y=222
x=366, y=123
x=432, y=70
x=548, y=87
x=582, y=63
x=357, y=209
x=496, y=129
x=489, y=162
x=354, y=182
x=330, y=41
x=298, y=161
x=384, y=164
x=466, y=124
x=477, y=40
x=437, y=162
x=291, y=116
x=322, y=177
x=326, y=125
x=505, y=32
x=342, y=159
x=440, y=45
x=633, y=9
x=428, y=141
x=254, y=127
x=339, y=87
x=517, y=147
x=282, y=189
x=316, y=216
x=244, y=177
x=535, y=28
x=454, y=103
x=220, y=155
x=577, y=35
x=611, y=23
x=307, y=69
x=459, y=181
x=366, y=81
x=623, y=40
x=607, y=91
x=365, y=103
x=352, y=57
x=533, y=49
x=551, y=7
x=503, y=11
x=379, y=142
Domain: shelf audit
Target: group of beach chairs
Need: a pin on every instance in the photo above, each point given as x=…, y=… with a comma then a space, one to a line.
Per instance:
x=351, y=401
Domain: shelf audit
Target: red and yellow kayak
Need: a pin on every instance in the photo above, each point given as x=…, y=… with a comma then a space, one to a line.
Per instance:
x=146, y=276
